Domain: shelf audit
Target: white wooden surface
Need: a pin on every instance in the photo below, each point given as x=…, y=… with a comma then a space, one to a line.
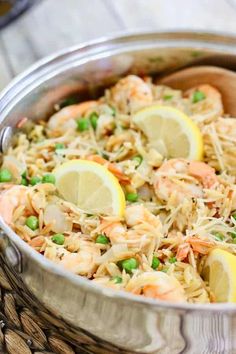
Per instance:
x=54, y=24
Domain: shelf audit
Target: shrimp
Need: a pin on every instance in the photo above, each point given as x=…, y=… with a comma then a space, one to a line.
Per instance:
x=65, y=118
x=131, y=93
x=200, y=246
x=157, y=285
x=182, y=251
x=37, y=242
x=118, y=234
x=84, y=261
x=10, y=199
x=203, y=172
x=114, y=230
x=111, y=167
x=137, y=214
x=185, y=179
x=209, y=108
x=134, y=236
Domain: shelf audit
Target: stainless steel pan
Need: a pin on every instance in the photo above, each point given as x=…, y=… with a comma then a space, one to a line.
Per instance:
x=97, y=319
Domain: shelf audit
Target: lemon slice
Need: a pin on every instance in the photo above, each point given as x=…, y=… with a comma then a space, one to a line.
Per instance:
x=91, y=187
x=220, y=272
x=171, y=132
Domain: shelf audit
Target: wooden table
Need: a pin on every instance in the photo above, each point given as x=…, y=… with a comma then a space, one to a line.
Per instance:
x=54, y=24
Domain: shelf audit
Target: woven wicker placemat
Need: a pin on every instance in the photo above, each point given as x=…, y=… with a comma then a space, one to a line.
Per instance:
x=24, y=332
x=28, y=328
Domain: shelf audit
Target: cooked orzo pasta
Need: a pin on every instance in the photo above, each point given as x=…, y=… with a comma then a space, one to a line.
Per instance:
x=177, y=209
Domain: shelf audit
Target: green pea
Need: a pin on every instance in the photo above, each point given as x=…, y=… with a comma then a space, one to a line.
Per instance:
x=5, y=175
x=35, y=180
x=49, y=178
x=234, y=216
x=102, y=239
x=105, y=156
x=198, y=96
x=24, y=181
x=138, y=159
x=117, y=280
x=155, y=262
x=93, y=119
x=128, y=264
x=233, y=234
x=113, y=111
x=167, y=97
x=132, y=197
x=68, y=102
x=32, y=222
x=59, y=239
x=83, y=124
x=59, y=146
x=24, y=175
x=172, y=259
x=218, y=235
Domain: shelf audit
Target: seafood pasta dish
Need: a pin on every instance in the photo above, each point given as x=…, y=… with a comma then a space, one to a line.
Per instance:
x=134, y=191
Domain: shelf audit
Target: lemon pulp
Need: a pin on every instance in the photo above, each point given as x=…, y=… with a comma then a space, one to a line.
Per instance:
x=91, y=187
x=220, y=272
x=170, y=131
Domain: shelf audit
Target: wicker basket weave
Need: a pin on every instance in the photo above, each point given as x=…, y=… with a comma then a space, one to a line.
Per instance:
x=28, y=328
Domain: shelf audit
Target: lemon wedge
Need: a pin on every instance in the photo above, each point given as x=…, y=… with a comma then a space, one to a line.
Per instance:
x=91, y=187
x=170, y=131
x=220, y=272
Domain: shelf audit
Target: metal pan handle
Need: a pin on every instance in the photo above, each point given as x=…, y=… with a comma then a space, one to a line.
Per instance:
x=10, y=253
x=6, y=136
